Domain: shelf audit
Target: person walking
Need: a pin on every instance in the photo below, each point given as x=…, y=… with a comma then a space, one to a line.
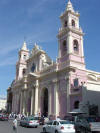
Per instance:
x=15, y=125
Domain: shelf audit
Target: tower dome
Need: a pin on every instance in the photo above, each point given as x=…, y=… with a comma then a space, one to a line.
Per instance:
x=24, y=47
x=69, y=6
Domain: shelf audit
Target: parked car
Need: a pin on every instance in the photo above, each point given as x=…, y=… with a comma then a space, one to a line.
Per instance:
x=81, y=124
x=3, y=117
x=60, y=126
x=94, y=123
x=29, y=122
x=40, y=119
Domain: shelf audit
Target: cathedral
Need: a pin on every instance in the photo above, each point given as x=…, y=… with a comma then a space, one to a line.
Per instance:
x=42, y=86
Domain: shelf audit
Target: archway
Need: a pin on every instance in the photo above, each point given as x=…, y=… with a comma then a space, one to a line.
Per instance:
x=76, y=105
x=45, y=102
x=9, y=102
x=29, y=103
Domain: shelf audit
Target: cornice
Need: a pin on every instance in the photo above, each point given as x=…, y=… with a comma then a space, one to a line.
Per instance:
x=69, y=12
x=93, y=82
x=93, y=72
x=63, y=31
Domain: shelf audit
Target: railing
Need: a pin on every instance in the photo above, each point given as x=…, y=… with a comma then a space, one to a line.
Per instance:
x=49, y=69
x=69, y=27
x=76, y=90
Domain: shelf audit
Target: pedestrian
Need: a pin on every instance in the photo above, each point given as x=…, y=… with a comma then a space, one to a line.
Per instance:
x=15, y=125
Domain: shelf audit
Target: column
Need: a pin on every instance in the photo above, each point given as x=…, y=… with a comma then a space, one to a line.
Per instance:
x=13, y=103
x=59, y=52
x=21, y=102
x=25, y=95
x=32, y=102
x=24, y=101
x=49, y=103
x=56, y=99
x=36, y=98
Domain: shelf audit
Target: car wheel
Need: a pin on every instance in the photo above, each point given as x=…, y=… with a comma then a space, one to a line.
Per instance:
x=83, y=130
x=56, y=131
x=36, y=126
x=20, y=124
x=44, y=130
x=77, y=131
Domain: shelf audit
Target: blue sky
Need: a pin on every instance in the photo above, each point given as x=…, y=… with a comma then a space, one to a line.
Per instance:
x=38, y=21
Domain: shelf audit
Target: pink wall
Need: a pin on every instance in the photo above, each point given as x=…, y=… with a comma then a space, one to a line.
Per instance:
x=73, y=99
x=63, y=98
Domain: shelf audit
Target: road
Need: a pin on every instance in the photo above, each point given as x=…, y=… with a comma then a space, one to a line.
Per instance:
x=6, y=127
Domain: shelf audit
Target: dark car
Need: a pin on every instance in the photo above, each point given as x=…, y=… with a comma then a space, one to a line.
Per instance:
x=81, y=124
x=3, y=117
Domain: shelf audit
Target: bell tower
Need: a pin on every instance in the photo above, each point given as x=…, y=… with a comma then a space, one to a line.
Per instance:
x=70, y=38
x=21, y=65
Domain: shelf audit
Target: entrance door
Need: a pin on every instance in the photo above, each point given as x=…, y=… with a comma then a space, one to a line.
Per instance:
x=45, y=102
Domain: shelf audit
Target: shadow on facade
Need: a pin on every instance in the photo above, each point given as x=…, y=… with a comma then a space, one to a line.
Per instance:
x=91, y=102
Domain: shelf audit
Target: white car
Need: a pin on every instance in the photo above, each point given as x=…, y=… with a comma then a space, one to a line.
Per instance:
x=29, y=122
x=61, y=126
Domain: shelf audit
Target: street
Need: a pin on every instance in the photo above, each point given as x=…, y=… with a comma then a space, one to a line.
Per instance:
x=6, y=127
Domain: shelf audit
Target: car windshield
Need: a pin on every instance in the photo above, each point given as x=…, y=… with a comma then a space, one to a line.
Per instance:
x=82, y=119
x=49, y=123
x=65, y=122
x=33, y=118
x=4, y=116
x=93, y=119
x=26, y=119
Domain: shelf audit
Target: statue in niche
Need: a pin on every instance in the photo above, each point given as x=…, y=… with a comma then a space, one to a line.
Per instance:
x=44, y=60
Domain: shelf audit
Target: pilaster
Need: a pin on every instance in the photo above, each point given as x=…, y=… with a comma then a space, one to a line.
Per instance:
x=68, y=94
x=69, y=43
x=82, y=47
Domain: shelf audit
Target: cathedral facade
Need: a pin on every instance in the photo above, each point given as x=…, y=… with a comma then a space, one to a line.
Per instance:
x=45, y=87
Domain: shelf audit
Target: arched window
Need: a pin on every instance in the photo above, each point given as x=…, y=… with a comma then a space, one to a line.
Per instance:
x=33, y=67
x=64, y=48
x=76, y=105
x=24, y=71
x=24, y=57
x=75, y=46
x=64, y=45
x=73, y=23
x=76, y=83
x=65, y=24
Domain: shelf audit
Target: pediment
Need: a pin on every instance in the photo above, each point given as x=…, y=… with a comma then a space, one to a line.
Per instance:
x=92, y=77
